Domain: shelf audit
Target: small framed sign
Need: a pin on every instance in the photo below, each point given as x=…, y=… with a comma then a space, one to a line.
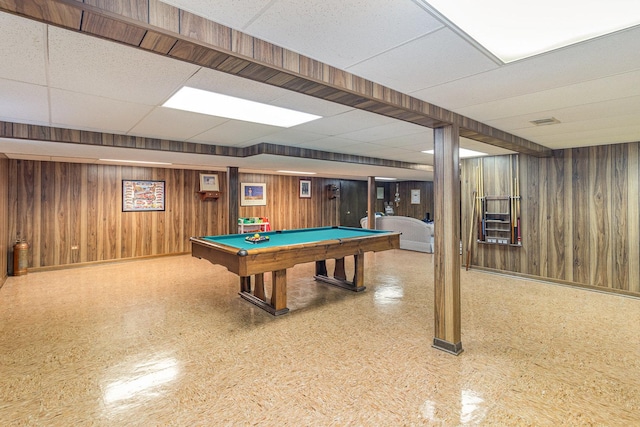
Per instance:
x=305, y=189
x=415, y=197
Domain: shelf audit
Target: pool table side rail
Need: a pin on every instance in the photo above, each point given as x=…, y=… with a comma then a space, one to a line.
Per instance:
x=262, y=260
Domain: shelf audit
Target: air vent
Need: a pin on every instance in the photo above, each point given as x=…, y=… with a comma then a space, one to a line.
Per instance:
x=548, y=121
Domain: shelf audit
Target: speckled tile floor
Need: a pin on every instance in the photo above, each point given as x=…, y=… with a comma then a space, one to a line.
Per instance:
x=169, y=342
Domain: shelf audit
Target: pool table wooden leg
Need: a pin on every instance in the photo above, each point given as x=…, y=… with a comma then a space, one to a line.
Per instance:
x=277, y=305
x=258, y=291
x=358, y=275
x=321, y=268
x=245, y=284
x=339, y=272
x=340, y=276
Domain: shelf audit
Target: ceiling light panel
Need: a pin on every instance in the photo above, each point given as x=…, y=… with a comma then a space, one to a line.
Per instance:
x=215, y=104
x=513, y=30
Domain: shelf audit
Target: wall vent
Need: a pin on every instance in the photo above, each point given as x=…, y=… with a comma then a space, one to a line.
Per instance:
x=548, y=121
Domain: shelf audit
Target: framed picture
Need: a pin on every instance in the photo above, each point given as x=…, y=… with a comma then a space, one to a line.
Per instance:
x=305, y=189
x=380, y=193
x=142, y=195
x=415, y=197
x=253, y=194
x=209, y=182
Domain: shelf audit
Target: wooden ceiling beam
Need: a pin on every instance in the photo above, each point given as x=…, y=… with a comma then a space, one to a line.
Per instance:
x=163, y=29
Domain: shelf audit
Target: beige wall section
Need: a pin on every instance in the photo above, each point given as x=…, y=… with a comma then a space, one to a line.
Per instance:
x=580, y=216
x=5, y=239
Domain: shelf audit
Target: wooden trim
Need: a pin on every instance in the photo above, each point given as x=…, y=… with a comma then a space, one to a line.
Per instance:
x=107, y=261
x=553, y=281
x=74, y=136
x=210, y=45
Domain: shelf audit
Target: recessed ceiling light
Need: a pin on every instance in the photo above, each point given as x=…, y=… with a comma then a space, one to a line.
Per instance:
x=135, y=161
x=513, y=30
x=215, y=104
x=298, y=172
x=463, y=153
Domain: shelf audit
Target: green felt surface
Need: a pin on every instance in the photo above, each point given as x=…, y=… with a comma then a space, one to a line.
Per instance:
x=293, y=237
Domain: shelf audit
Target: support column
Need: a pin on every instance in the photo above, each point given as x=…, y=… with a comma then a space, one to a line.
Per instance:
x=447, y=240
x=233, y=199
x=371, y=202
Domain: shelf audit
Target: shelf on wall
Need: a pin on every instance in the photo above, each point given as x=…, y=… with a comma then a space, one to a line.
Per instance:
x=209, y=195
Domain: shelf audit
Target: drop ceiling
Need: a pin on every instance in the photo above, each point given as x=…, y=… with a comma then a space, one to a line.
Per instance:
x=54, y=77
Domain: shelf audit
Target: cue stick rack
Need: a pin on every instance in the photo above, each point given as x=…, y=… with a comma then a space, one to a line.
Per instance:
x=498, y=216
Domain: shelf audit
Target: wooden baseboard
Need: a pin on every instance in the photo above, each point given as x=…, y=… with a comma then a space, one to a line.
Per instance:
x=621, y=292
x=94, y=263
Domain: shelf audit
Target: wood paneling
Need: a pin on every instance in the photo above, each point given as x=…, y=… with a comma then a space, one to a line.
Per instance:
x=72, y=213
x=285, y=209
x=580, y=217
x=447, y=307
x=406, y=208
x=5, y=238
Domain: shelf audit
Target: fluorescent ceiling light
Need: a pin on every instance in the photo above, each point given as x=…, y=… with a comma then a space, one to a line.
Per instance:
x=134, y=161
x=463, y=153
x=382, y=178
x=215, y=104
x=298, y=172
x=513, y=30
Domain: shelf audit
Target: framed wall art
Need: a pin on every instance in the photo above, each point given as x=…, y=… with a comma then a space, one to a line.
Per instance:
x=142, y=195
x=253, y=194
x=415, y=196
x=305, y=189
x=209, y=182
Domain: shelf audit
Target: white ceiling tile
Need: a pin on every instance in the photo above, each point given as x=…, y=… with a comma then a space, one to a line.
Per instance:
x=350, y=121
x=169, y=123
x=423, y=139
x=81, y=111
x=391, y=132
x=333, y=143
x=342, y=33
x=232, y=13
x=234, y=133
x=288, y=137
x=23, y=48
x=227, y=84
x=110, y=70
x=308, y=104
x=592, y=91
x=428, y=61
x=586, y=61
x=23, y=102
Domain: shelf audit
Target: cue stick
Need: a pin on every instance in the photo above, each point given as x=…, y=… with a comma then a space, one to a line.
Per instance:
x=511, y=199
x=473, y=219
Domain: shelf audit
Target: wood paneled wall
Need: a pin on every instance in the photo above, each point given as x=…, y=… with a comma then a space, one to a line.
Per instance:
x=285, y=209
x=580, y=216
x=4, y=219
x=404, y=189
x=60, y=206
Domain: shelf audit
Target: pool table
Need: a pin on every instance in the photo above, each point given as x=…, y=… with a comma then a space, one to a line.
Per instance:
x=286, y=248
